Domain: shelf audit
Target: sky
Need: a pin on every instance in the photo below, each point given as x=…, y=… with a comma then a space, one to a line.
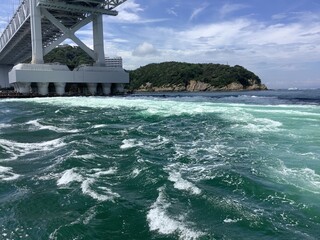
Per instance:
x=279, y=40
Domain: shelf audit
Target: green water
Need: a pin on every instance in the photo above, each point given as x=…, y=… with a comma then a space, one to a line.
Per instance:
x=159, y=168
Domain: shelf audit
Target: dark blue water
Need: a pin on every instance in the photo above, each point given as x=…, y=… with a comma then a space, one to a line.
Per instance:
x=161, y=166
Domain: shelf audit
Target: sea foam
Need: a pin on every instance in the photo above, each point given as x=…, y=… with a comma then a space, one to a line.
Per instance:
x=6, y=174
x=17, y=149
x=106, y=195
x=38, y=126
x=182, y=184
x=69, y=176
x=160, y=221
x=130, y=143
x=305, y=179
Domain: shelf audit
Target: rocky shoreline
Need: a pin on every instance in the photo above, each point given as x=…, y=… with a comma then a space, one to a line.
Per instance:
x=197, y=86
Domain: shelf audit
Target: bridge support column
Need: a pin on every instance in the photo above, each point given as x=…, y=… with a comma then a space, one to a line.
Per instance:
x=43, y=88
x=60, y=88
x=92, y=87
x=119, y=88
x=36, y=33
x=98, y=43
x=22, y=87
x=106, y=87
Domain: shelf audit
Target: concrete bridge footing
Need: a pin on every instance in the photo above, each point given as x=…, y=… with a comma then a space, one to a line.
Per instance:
x=43, y=88
x=60, y=88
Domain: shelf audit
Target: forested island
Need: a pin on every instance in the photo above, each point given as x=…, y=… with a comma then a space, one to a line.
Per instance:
x=171, y=76
x=178, y=76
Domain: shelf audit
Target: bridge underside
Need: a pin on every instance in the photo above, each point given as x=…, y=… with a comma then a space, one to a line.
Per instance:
x=39, y=26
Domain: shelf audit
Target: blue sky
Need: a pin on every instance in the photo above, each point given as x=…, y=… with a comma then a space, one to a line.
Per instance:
x=279, y=40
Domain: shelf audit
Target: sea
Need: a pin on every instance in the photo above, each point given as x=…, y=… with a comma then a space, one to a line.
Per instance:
x=226, y=165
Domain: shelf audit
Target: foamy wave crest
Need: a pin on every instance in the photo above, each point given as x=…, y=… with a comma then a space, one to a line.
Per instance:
x=263, y=125
x=182, y=184
x=16, y=149
x=6, y=174
x=5, y=125
x=229, y=220
x=97, y=172
x=160, y=221
x=135, y=172
x=69, y=176
x=130, y=143
x=106, y=195
x=305, y=179
x=37, y=125
x=245, y=120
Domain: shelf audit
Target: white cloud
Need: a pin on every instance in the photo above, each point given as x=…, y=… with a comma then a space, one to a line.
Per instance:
x=197, y=11
x=129, y=11
x=145, y=49
x=229, y=8
x=172, y=11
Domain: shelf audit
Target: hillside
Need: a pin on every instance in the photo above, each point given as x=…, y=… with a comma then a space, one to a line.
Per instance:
x=68, y=55
x=177, y=76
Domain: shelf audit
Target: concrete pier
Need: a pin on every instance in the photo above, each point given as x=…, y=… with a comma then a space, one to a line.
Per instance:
x=106, y=88
x=43, y=88
x=22, y=87
x=92, y=88
x=22, y=75
x=60, y=88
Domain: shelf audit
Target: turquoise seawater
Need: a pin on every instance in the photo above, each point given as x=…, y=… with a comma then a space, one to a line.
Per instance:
x=188, y=166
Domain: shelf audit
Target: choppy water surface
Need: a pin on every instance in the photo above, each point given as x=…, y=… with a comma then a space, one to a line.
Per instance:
x=210, y=166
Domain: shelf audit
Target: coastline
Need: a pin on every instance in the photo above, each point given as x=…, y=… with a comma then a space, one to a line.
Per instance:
x=198, y=86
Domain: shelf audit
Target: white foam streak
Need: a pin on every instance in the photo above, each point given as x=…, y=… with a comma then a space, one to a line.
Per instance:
x=89, y=182
x=39, y=126
x=69, y=176
x=6, y=174
x=107, y=195
x=130, y=143
x=5, y=125
x=260, y=125
x=182, y=184
x=16, y=149
x=100, y=126
x=99, y=172
x=160, y=221
x=305, y=179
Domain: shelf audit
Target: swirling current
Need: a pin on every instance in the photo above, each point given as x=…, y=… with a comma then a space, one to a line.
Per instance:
x=201, y=166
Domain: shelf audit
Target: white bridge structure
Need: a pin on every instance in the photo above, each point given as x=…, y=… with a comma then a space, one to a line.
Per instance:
x=37, y=27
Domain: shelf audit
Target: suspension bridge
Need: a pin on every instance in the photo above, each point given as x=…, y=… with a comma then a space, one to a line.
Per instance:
x=39, y=26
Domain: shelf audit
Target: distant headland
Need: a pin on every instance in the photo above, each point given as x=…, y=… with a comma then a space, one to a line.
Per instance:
x=179, y=76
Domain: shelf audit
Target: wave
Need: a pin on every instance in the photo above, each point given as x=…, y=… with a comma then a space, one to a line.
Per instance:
x=6, y=174
x=130, y=143
x=69, y=176
x=17, y=149
x=105, y=195
x=159, y=220
x=305, y=179
x=89, y=182
x=182, y=184
x=38, y=126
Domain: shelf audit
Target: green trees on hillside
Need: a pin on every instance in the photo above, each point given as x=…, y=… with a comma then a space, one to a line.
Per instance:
x=68, y=55
x=177, y=73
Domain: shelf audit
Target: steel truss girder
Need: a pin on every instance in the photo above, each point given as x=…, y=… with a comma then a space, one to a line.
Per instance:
x=75, y=8
x=68, y=33
x=83, y=6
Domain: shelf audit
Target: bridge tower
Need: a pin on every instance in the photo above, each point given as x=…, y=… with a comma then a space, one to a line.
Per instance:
x=47, y=23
